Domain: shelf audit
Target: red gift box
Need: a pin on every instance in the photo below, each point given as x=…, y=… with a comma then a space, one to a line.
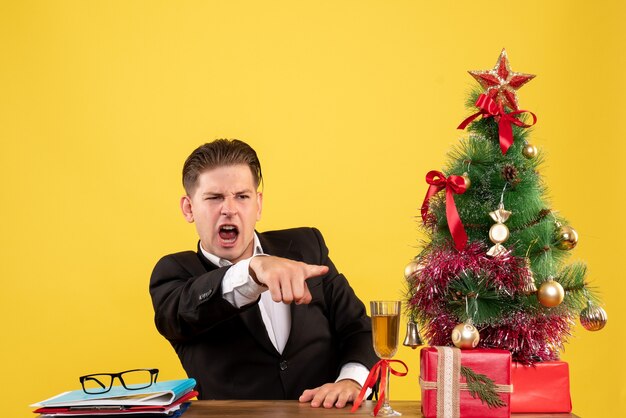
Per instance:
x=542, y=387
x=443, y=388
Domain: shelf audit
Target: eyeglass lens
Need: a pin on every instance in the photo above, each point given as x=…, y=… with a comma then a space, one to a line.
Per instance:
x=97, y=383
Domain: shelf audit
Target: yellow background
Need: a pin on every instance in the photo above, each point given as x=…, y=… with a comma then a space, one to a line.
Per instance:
x=348, y=103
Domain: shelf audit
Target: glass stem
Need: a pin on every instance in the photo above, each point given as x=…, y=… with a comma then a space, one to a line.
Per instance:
x=386, y=400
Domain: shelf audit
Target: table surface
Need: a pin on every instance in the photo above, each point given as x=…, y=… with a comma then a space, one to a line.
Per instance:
x=280, y=409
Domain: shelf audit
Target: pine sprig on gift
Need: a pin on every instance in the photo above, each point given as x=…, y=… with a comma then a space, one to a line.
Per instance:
x=482, y=387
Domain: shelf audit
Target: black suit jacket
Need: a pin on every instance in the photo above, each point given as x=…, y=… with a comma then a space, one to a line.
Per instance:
x=227, y=350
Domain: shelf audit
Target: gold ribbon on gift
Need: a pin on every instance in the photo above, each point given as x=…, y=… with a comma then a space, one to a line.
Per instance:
x=448, y=383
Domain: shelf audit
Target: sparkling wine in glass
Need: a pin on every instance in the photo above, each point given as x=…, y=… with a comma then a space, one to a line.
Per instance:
x=385, y=334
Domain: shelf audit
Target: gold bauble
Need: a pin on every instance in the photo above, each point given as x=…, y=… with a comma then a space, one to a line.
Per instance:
x=498, y=233
x=593, y=318
x=467, y=180
x=465, y=336
x=566, y=237
x=412, y=268
x=550, y=293
x=529, y=151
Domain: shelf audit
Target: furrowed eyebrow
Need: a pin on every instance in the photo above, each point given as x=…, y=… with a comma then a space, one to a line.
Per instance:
x=216, y=194
x=246, y=191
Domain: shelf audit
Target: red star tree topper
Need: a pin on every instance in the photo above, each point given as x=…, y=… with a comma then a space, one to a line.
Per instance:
x=500, y=83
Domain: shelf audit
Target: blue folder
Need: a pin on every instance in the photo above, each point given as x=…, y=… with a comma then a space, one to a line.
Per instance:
x=160, y=393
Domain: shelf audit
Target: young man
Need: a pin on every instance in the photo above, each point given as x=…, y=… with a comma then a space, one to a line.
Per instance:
x=257, y=315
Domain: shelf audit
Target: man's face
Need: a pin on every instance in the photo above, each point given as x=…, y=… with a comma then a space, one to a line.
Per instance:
x=225, y=207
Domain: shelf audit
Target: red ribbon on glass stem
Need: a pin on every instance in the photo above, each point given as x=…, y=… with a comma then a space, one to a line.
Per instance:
x=452, y=184
x=379, y=369
x=489, y=108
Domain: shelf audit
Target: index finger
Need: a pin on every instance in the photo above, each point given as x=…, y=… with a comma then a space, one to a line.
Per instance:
x=313, y=270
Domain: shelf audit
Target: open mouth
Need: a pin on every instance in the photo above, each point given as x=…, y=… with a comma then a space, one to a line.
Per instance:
x=228, y=233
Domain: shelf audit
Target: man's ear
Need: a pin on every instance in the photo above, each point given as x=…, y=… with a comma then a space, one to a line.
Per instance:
x=259, y=199
x=186, y=208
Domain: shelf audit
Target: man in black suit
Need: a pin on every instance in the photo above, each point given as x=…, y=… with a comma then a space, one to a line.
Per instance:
x=257, y=315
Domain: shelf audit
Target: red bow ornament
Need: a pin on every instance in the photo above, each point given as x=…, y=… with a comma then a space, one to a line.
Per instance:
x=382, y=369
x=489, y=108
x=452, y=184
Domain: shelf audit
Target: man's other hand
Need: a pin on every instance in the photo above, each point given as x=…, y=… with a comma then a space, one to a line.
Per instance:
x=332, y=394
x=284, y=278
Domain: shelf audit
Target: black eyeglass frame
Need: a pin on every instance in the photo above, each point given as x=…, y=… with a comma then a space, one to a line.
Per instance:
x=154, y=373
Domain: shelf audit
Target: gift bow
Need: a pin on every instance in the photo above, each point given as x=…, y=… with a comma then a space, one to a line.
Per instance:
x=453, y=184
x=382, y=368
x=489, y=108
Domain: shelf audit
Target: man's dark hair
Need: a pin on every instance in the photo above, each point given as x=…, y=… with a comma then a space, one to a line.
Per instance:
x=220, y=153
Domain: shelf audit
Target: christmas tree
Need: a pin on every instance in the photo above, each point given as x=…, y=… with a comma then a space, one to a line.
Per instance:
x=493, y=269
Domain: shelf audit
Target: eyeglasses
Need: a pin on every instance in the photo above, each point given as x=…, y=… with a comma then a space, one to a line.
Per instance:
x=134, y=379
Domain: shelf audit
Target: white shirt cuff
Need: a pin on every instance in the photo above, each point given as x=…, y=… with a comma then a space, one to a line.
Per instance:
x=356, y=372
x=238, y=287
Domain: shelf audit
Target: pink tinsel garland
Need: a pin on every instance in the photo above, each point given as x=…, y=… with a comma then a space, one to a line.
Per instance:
x=530, y=335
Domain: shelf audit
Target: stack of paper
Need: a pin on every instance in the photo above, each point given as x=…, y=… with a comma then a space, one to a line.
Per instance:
x=162, y=399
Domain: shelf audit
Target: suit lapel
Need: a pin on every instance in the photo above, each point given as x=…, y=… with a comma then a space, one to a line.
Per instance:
x=251, y=317
x=254, y=322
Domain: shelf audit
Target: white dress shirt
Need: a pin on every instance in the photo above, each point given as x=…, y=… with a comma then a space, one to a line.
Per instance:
x=240, y=289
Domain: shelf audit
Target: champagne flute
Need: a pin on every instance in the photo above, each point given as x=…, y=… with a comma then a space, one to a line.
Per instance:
x=385, y=334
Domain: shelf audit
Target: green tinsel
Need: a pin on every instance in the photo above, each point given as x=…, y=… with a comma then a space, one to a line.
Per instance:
x=476, y=301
